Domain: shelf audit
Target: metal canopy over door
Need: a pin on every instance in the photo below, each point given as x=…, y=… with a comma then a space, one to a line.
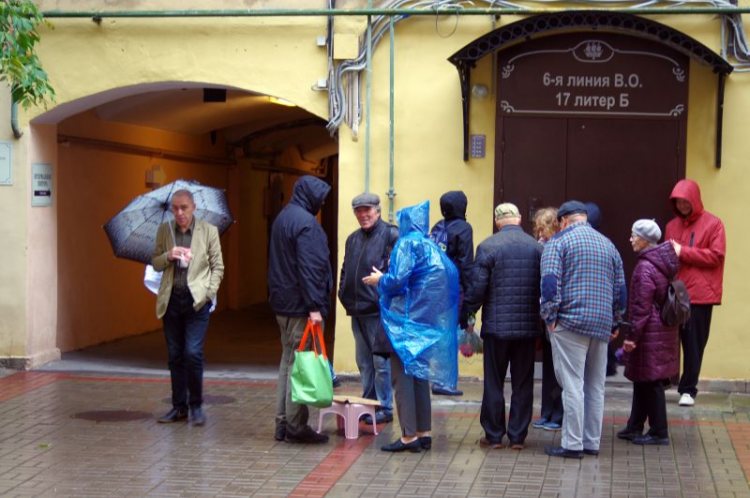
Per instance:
x=597, y=117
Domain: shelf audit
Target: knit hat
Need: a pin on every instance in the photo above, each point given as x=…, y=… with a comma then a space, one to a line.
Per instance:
x=506, y=210
x=648, y=230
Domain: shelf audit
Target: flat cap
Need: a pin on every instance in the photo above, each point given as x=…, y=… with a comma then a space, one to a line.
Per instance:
x=506, y=210
x=366, y=200
x=571, y=207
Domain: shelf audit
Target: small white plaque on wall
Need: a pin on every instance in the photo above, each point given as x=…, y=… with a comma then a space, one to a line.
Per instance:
x=6, y=163
x=41, y=184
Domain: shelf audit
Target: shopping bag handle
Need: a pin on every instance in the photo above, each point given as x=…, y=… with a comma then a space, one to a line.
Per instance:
x=313, y=331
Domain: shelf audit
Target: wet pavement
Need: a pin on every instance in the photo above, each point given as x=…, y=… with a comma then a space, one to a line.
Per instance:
x=95, y=434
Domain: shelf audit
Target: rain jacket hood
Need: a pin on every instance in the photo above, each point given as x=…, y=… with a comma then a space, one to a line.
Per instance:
x=309, y=193
x=453, y=205
x=419, y=301
x=691, y=192
x=415, y=219
x=703, y=240
x=663, y=258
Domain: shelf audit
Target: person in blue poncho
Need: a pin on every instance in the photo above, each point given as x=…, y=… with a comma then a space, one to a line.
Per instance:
x=419, y=310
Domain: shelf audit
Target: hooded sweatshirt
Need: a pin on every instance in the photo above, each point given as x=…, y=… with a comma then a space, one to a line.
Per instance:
x=299, y=268
x=703, y=241
x=460, y=247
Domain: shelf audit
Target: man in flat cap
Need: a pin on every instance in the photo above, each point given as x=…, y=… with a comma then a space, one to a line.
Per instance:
x=505, y=284
x=367, y=247
x=583, y=300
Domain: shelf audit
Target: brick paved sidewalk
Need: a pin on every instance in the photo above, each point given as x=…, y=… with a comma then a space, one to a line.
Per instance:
x=72, y=435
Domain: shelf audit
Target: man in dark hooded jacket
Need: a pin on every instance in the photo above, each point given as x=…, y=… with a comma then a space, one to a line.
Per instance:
x=459, y=246
x=299, y=288
x=699, y=240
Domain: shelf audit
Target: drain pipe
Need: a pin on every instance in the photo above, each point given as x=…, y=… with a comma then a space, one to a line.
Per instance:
x=368, y=89
x=14, y=120
x=391, y=190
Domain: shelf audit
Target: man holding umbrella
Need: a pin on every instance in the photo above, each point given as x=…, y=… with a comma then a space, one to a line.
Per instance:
x=188, y=251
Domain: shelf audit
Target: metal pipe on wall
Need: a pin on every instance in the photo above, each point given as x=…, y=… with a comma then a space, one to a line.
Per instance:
x=469, y=11
x=392, y=121
x=14, y=120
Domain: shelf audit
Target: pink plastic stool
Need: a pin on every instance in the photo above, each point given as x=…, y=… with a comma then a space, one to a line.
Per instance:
x=349, y=409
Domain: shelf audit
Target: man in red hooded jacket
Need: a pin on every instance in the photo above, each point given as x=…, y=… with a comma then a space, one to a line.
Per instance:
x=699, y=240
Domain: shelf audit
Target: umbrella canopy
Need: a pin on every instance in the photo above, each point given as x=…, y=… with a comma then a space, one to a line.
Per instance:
x=132, y=231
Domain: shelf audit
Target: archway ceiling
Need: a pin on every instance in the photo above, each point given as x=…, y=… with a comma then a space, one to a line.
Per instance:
x=184, y=111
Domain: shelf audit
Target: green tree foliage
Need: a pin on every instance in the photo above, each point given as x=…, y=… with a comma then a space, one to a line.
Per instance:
x=19, y=65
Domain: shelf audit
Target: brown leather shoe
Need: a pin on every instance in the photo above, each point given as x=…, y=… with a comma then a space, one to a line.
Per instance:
x=486, y=443
x=517, y=446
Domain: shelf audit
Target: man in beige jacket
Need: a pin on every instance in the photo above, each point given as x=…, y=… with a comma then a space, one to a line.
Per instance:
x=188, y=251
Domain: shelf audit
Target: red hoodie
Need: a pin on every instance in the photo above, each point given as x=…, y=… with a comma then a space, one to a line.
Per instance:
x=703, y=241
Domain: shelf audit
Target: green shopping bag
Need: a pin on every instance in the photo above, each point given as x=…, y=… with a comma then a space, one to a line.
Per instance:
x=311, y=375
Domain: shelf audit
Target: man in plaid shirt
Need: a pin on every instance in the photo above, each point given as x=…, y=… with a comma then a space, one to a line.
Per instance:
x=583, y=300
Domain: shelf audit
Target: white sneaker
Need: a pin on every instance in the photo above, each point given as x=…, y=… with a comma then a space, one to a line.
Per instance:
x=687, y=400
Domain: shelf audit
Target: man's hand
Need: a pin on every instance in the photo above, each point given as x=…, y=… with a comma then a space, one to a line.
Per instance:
x=373, y=278
x=552, y=327
x=615, y=335
x=676, y=245
x=316, y=317
x=178, y=252
x=628, y=346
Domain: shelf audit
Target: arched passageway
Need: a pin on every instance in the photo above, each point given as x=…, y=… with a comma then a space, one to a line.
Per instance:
x=112, y=148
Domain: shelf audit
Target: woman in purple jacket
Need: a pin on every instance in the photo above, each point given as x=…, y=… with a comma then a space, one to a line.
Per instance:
x=652, y=346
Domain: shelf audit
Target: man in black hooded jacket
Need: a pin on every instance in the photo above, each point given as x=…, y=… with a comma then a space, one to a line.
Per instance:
x=299, y=288
x=459, y=247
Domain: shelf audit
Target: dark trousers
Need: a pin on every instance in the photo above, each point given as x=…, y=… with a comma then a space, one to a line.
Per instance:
x=552, y=405
x=412, y=400
x=498, y=353
x=649, y=403
x=185, y=332
x=694, y=337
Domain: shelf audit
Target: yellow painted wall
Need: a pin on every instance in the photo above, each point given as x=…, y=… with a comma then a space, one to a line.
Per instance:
x=14, y=203
x=279, y=57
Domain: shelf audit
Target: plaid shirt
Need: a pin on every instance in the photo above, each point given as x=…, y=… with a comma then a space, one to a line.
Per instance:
x=583, y=284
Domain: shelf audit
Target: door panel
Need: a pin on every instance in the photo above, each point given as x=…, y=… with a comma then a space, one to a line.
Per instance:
x=533, y=165
x=626, y=166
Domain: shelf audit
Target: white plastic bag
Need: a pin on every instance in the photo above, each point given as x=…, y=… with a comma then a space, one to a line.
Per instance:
x=152, y=281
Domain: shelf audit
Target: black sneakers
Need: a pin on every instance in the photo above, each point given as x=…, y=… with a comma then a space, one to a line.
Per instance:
x=305, y=436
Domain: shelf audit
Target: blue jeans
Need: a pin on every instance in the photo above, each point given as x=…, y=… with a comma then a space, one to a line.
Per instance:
x=374, y=369
x=185, y=332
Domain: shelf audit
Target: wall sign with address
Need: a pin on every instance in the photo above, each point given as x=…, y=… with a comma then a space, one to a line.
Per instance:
x=594, y=74
x=41, y=184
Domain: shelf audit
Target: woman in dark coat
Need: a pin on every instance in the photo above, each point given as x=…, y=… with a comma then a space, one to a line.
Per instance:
x=652, y=346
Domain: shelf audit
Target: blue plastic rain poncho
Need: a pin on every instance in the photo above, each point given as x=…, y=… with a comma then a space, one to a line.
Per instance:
x=419, y=301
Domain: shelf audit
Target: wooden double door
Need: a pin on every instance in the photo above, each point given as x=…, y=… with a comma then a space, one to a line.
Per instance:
x=628, y=167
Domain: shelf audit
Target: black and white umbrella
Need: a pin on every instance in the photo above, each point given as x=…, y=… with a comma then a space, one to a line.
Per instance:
x=132, y=231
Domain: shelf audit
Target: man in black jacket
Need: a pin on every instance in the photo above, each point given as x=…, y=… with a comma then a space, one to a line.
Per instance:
x=367, y=247
x=456, y=237
x=299, y=288
x=506, y=285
